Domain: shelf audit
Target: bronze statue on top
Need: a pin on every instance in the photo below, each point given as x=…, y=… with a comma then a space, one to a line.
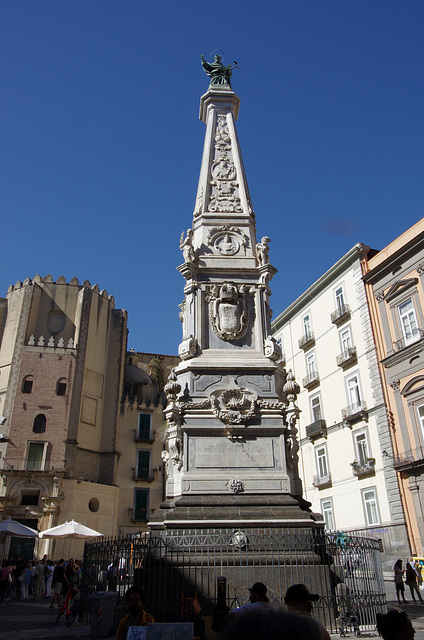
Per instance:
x=218, y=73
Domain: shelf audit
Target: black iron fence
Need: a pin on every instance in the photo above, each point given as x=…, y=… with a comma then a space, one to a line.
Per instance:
x=173, y=567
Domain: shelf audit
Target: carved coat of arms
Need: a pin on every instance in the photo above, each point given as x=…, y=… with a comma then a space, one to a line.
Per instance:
x=228, y=310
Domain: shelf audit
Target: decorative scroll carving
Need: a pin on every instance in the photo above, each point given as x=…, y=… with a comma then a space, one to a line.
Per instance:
x=187, y=348
x=271, y=404
x=272, y=349
x=224, y=196
x=229, y=311
x=226, y=240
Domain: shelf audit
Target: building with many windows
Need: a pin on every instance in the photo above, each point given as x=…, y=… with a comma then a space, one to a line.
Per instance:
x=345, y=446
x=81, y=417
x=394, y=281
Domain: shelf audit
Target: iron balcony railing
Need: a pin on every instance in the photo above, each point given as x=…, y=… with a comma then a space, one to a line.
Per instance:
x=357, y=410
x=311, y=379
x=307, y=340
x=32, y=465
x=141, y=435
x=405, y=342
x=363, y=468
x=341, y=314
x=322, y=481
x=347, y=357
x=413, y=457
x=144, y=474
x=140, y=515
x=316, y=429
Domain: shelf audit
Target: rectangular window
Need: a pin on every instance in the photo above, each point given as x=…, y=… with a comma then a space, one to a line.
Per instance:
x=408, y=321
x=369, y=498
x=310, y=363
x=420, y=412
x=353, y=392
x=316, y=413
x=327, y=512
x=36, y=456
x=307, y=325
x=30, y=498
x=144, y=425
x=362, y=450
x=322, y=463
x=339, y=295
x=346, y=339
x=143, y=464
x=141, y=504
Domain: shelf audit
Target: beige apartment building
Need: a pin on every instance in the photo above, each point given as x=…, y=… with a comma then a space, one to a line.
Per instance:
x=80, y=418
x=394, y=284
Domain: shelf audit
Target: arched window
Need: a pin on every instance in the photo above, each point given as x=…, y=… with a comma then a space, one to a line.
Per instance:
x=27, y=383
x=39, y=425
x=61, y=387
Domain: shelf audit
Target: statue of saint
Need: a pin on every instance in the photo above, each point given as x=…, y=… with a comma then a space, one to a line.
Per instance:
x=218, y=73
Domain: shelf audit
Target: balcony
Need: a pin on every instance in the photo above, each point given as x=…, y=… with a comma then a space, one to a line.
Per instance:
x=311, y=380
x=317, y=429
x=409, y=459
x=417, y=335
x=140, y=515
x=355, y=412
x=347, y=358
x=364, y=468
x=322, y=481
x=49, y=466
x=144, y=475
x=341, y=314
x=307, y=340
x=141, y=435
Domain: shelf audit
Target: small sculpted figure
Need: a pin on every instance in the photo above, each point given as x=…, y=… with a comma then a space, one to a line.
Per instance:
x=262, y=250
x=218, y=73
x=186, y=246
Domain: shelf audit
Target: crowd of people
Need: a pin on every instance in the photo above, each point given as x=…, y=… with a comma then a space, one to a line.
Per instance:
x=38, y=579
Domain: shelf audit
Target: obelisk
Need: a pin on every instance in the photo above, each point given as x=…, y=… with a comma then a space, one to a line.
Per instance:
x=231, y=440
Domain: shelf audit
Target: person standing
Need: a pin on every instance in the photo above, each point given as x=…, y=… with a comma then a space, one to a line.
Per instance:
x=26, y=581
x=400, y=587
x=6, y=571
x=39, y=582
x=257, y=597
x=58, y=578
x=412, y=582
x=49, y=578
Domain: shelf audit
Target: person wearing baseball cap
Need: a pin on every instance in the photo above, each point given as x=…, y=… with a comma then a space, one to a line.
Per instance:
x=257, y=597
x=299, y=599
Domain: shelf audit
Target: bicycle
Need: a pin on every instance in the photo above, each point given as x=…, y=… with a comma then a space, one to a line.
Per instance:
x=70, y=608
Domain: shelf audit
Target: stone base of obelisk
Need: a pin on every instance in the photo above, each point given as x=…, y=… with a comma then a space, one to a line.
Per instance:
x=229, y=511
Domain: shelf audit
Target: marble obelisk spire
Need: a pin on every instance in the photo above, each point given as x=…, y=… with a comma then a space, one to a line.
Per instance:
x=231, y=446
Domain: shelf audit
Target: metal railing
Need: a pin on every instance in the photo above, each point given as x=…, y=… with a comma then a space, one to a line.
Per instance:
x=144, y=436
x=144, y=474
x=32, y=465
x=405, y=342
x=354, y=410
x=341, y=313
x=322, y=481
x=413, y=457
x=140, y=515
x=171, y=566
x=306, y=340
x=317, y=428
x=311, y=379
x=347, y=356
x=363, y=468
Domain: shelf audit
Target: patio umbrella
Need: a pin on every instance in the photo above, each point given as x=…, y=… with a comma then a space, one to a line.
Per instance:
x=10, y=527
x=70, y=529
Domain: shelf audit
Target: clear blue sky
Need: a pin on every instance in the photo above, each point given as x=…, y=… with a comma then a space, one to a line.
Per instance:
x=101, y=142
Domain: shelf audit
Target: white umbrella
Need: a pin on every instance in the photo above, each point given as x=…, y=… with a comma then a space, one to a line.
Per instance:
x=12, y=528
x=70, y=529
